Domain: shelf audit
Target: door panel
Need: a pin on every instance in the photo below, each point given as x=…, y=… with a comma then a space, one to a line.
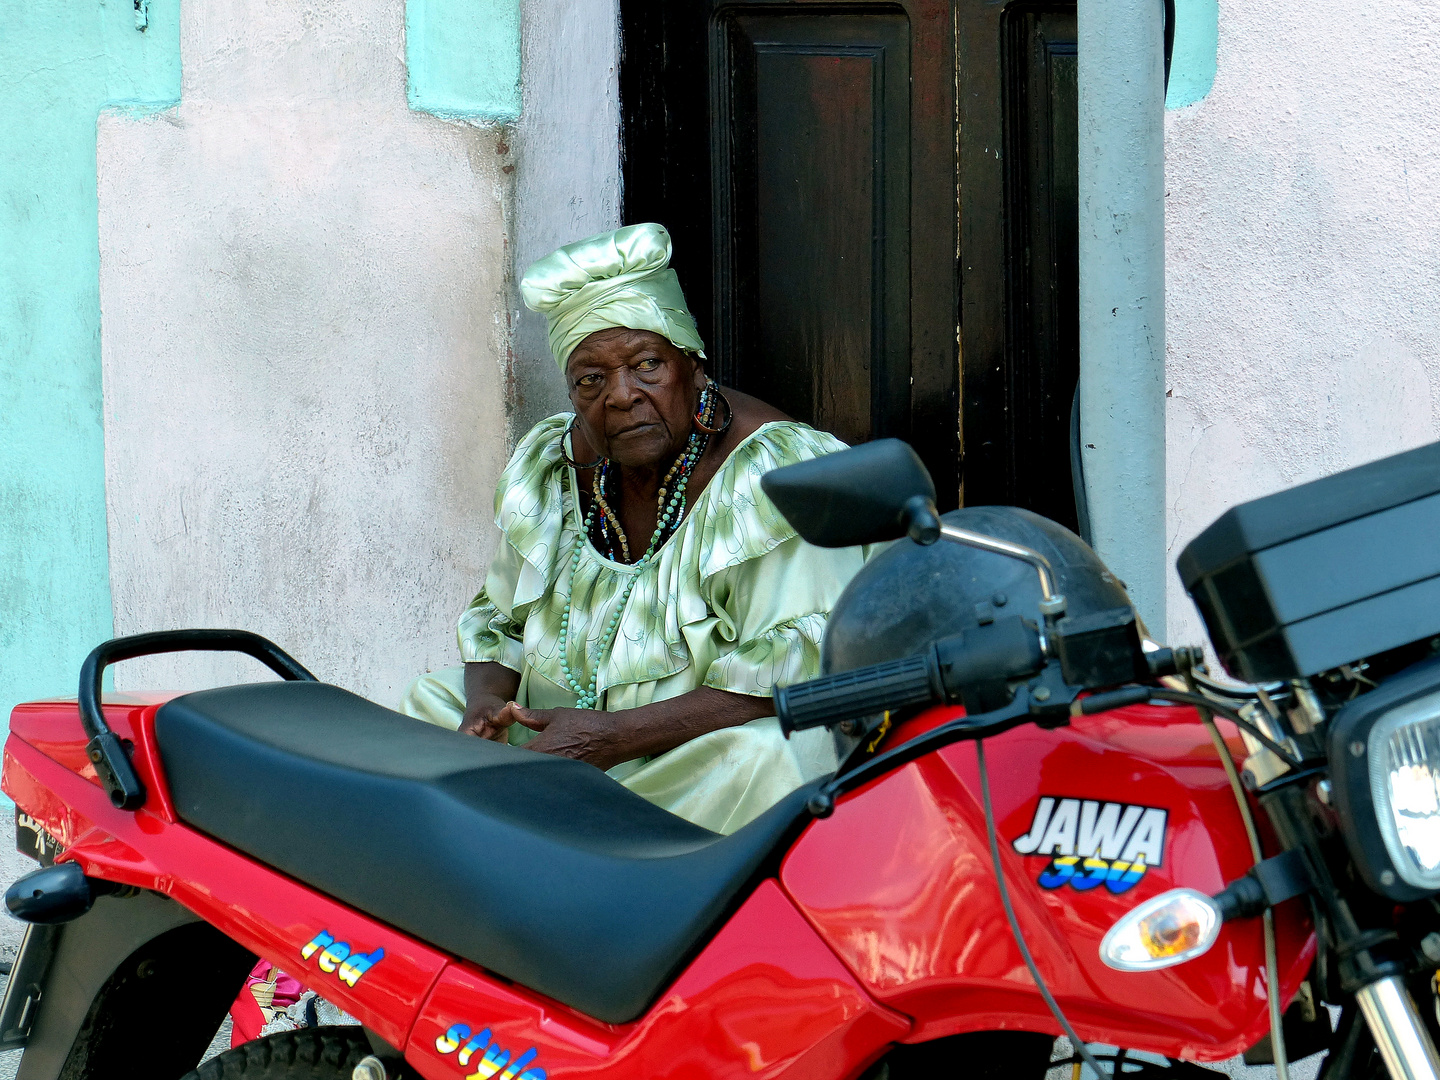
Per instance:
x=1041, y=195
x=812, y=199
x=1019, y=294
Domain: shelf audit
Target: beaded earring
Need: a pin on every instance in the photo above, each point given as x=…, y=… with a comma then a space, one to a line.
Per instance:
x=707, y=409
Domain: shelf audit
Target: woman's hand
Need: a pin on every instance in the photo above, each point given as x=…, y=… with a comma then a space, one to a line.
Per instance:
x=482, y=718
x=489, y=688
x=604, y=739
x=599, y=738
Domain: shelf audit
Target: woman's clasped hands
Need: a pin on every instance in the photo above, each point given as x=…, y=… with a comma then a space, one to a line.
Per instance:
x=583, y=734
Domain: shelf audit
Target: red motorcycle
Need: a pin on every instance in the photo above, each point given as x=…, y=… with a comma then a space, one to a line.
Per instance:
x=1032, y=834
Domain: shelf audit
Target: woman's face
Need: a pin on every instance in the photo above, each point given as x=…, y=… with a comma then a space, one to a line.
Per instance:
x=634, y=394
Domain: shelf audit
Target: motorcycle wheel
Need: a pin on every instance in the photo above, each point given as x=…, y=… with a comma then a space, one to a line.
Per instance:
x=321, y=1053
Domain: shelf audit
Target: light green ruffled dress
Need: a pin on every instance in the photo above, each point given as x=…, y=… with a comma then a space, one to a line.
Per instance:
x=734, y=600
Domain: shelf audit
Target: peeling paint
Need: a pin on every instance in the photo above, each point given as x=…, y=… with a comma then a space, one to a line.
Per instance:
x=1197, y=45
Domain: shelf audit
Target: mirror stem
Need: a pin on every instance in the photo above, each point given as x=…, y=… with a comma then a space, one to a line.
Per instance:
x=1052, y=604
x=921, y=520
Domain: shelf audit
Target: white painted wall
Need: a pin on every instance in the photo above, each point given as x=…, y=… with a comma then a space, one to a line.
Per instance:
x=1303, y=257
x=305, y=333
x=567, y=151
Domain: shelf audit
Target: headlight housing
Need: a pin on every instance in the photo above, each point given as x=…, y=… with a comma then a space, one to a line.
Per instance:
x=1385, y=769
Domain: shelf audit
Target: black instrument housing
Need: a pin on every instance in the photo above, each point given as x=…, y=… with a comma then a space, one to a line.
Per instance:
x=1324, y=574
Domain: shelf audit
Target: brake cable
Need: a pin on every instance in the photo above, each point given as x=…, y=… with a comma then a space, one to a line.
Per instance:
x=1200, y=701
x=1272, y=954
x=1054, y=1006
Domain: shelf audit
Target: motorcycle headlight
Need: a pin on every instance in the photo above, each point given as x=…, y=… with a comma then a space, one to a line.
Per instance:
x=1404, y=754
x=1385, y=767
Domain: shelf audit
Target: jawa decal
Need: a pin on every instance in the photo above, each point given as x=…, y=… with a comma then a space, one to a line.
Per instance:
x=491, y=1060
x=1093, y=843
x=339, y=959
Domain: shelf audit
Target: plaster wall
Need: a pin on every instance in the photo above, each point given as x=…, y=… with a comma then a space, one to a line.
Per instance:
x=1303, y=258
x=304, y=305
x=567, y=151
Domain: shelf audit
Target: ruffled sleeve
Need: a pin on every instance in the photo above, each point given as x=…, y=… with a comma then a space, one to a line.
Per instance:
x=486, y=631
x=774, y=608
x=770, y=591
x=529, y=513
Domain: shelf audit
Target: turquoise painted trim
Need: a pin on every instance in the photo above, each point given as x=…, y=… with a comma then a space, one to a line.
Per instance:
x=1197, y=48
x=463, y=58
x=61, y=62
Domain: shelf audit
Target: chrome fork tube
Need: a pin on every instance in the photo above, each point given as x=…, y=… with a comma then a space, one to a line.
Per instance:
x=1400, y=1036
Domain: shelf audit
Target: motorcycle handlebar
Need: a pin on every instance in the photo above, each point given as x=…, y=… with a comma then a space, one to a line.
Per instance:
x=974, y=667
x=850, y=695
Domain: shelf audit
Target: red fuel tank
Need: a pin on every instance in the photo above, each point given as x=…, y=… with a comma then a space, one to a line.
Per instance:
x=1092, y=819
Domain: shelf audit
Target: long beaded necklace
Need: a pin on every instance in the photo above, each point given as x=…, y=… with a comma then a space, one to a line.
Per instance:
x=671, y=506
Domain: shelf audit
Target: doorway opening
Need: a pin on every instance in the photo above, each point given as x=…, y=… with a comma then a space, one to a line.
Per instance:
x=861, y=246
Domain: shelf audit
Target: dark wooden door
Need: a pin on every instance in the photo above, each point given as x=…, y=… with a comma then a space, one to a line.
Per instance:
x=853, y=254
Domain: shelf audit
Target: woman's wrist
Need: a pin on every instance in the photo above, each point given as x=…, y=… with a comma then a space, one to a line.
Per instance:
x=489, y=683
x=644, y=731
x=651, y=730
x=484, y=704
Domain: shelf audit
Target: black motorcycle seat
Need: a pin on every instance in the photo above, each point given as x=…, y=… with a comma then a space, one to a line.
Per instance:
x=540, y=869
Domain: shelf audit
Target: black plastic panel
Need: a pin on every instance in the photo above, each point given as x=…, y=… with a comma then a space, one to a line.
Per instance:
x=1325, y=573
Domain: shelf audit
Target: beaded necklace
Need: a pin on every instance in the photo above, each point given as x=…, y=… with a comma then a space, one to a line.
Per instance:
x=606, y=533
x=671, y=506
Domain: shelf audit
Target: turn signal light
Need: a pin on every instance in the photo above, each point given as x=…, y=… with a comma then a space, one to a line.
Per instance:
x=1166, y=930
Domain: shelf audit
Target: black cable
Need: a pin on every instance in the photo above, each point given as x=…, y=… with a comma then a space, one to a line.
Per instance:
x=1202, y=702
x=1050, y=1002
x=1077, y=473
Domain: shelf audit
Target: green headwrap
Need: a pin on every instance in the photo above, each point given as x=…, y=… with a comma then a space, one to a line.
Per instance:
x=620, y=278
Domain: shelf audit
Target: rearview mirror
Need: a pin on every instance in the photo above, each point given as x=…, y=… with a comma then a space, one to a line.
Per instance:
x=871, y=493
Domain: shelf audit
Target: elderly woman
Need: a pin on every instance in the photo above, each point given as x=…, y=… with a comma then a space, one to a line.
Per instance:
x=647, y=597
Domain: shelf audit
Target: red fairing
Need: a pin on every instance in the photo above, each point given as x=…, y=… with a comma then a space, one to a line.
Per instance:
x=270, y=914
x=885, y=912
x=765, y=998
x=899, y=883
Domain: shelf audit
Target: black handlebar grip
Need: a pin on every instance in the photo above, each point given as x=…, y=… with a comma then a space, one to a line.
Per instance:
x=849, y=695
